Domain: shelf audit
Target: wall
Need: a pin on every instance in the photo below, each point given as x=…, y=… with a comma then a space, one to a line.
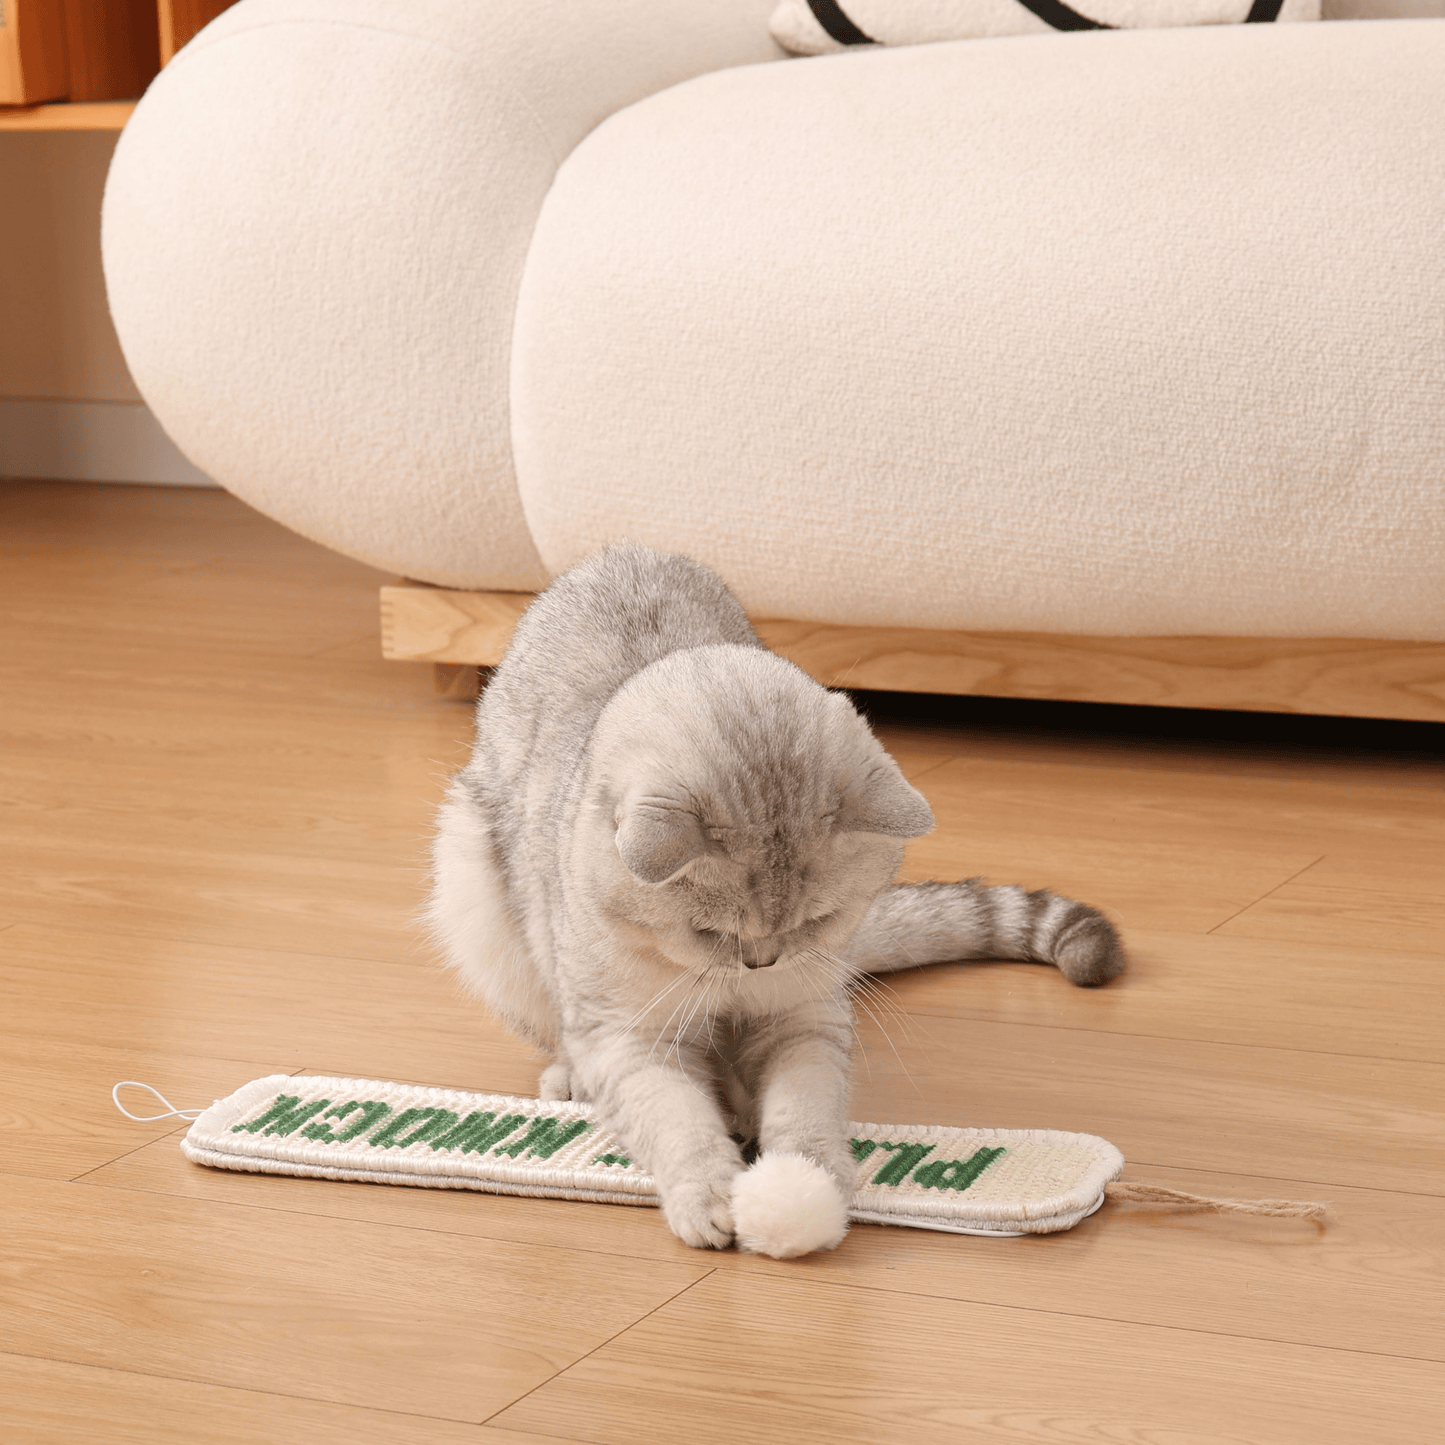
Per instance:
x=68, y=407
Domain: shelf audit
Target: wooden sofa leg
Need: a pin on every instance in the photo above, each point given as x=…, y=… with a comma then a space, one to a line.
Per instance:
x=458, y=680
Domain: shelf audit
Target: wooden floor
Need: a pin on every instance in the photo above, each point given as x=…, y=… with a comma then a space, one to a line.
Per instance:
x=216, y=800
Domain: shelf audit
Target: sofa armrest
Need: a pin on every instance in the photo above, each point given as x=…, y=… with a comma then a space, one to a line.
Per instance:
x=314, y=231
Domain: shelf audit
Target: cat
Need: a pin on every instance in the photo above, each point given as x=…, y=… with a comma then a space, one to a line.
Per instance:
x=669, y=858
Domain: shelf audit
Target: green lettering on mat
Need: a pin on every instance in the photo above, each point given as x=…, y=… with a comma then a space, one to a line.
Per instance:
x=478, y=1132
x=621, y=1159
x=373, y=1111
x=956, y=1173
x=427, y=1121
x=286, y=1114
x=545, y=1137
x=905, y=1156
x=862, y=1148
x=321, y=1131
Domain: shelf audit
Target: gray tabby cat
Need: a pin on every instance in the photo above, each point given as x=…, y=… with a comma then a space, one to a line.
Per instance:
x=668, y=859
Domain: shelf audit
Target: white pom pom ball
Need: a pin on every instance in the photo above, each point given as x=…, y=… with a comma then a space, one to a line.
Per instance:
x=786, y=1205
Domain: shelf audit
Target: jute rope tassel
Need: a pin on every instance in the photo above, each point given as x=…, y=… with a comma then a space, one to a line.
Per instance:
x=1268, y=1208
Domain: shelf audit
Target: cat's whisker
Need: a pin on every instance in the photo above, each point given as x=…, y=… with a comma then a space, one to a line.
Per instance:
x=716, y=981
x=841, y=986
x=880, y=989
x=844, y=975
x=715, y=966
x=698, y=984
x=684, y=1029
x=711, y=1017
x=697, y=981
x=866, y=984
x=894, y=940
x=888, y=1039
x=673, y=1035
x=915, y=1030
x=681, y=1036
x=881, y=1010
x=815, y=985
x=828, y=985
x=647, y=1008
x=887, y=1000
x=692, y=981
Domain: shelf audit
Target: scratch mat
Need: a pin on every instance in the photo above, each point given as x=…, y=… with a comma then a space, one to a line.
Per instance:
x=1005, y=1182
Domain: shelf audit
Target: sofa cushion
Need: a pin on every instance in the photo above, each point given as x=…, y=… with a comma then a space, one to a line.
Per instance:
x=314, y=229
x=1136, y=332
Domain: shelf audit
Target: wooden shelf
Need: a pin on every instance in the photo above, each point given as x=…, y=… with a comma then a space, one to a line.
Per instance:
x=89, y=115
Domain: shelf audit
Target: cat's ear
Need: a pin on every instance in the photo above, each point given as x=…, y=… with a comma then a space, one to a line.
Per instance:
x=655, y=843
x=885, y=802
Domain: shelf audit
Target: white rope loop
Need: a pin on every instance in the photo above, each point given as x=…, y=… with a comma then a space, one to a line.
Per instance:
x=171, y=1110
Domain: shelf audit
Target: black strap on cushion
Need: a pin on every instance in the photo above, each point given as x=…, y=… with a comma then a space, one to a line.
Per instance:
x=1052, y=12
x=829, y=14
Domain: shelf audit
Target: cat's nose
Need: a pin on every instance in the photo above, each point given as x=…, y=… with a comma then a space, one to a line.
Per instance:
x=762, y=953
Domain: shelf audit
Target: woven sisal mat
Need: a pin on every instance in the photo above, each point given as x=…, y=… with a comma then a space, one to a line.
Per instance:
x=964, y=1181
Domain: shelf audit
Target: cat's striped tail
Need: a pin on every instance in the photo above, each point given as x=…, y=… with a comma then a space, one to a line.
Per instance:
x=916, y=923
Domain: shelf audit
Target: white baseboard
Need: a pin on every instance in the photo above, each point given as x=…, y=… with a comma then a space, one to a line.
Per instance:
x=90, y=441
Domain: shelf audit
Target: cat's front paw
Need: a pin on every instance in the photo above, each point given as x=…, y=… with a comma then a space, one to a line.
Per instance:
x=700, y=1213
x=556, y=1082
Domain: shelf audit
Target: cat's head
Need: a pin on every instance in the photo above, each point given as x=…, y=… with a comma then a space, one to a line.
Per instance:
x=741, y=816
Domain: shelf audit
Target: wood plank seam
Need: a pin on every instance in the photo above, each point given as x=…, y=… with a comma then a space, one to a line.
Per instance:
x=617, y=1335
x=1270, y=894
x=125, y=1154
x=923, y=772
x=824, y=1282
x=1289, y=1180
x=612, y=1254
x=925, y=1011
x=1195, y=1331
x=239, y=1389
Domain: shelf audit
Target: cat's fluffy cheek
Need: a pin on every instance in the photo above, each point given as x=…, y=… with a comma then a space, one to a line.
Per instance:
x=786, y=1206
x=868, y=860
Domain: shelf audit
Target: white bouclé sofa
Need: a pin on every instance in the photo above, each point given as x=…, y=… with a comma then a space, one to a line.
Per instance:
x=1134, y=334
